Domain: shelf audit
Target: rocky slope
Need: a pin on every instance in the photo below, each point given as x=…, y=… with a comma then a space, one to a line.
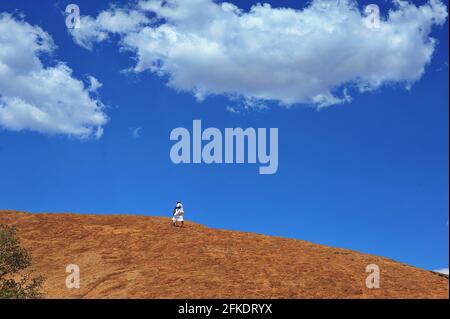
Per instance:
x=145, y=257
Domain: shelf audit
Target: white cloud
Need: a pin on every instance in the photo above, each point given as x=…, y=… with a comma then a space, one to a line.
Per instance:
x=442, y=271
x=135, y=132
x=276, y=54
x=94, y=84
x=114, y=20
x=39, y=98
x=232, y=109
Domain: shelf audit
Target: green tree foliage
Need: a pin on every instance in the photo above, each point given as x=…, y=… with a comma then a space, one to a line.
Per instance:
x=15, y=281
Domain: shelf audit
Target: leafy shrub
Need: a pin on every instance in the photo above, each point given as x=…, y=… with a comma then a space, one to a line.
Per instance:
x=16, y=282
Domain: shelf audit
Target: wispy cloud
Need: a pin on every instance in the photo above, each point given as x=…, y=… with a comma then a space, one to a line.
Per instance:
x=94, y=84
x=135, y=132
x=232, y=109
x=116, y=20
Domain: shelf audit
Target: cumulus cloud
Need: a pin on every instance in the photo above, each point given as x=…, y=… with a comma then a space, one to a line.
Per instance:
x=442, y=271
x=290, y=56
x=35, y=97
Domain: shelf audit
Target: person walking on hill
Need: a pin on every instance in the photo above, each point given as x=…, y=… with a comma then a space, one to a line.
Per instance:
x=178, y=214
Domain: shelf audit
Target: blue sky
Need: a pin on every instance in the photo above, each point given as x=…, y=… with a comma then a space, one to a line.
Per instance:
x=369, y=174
